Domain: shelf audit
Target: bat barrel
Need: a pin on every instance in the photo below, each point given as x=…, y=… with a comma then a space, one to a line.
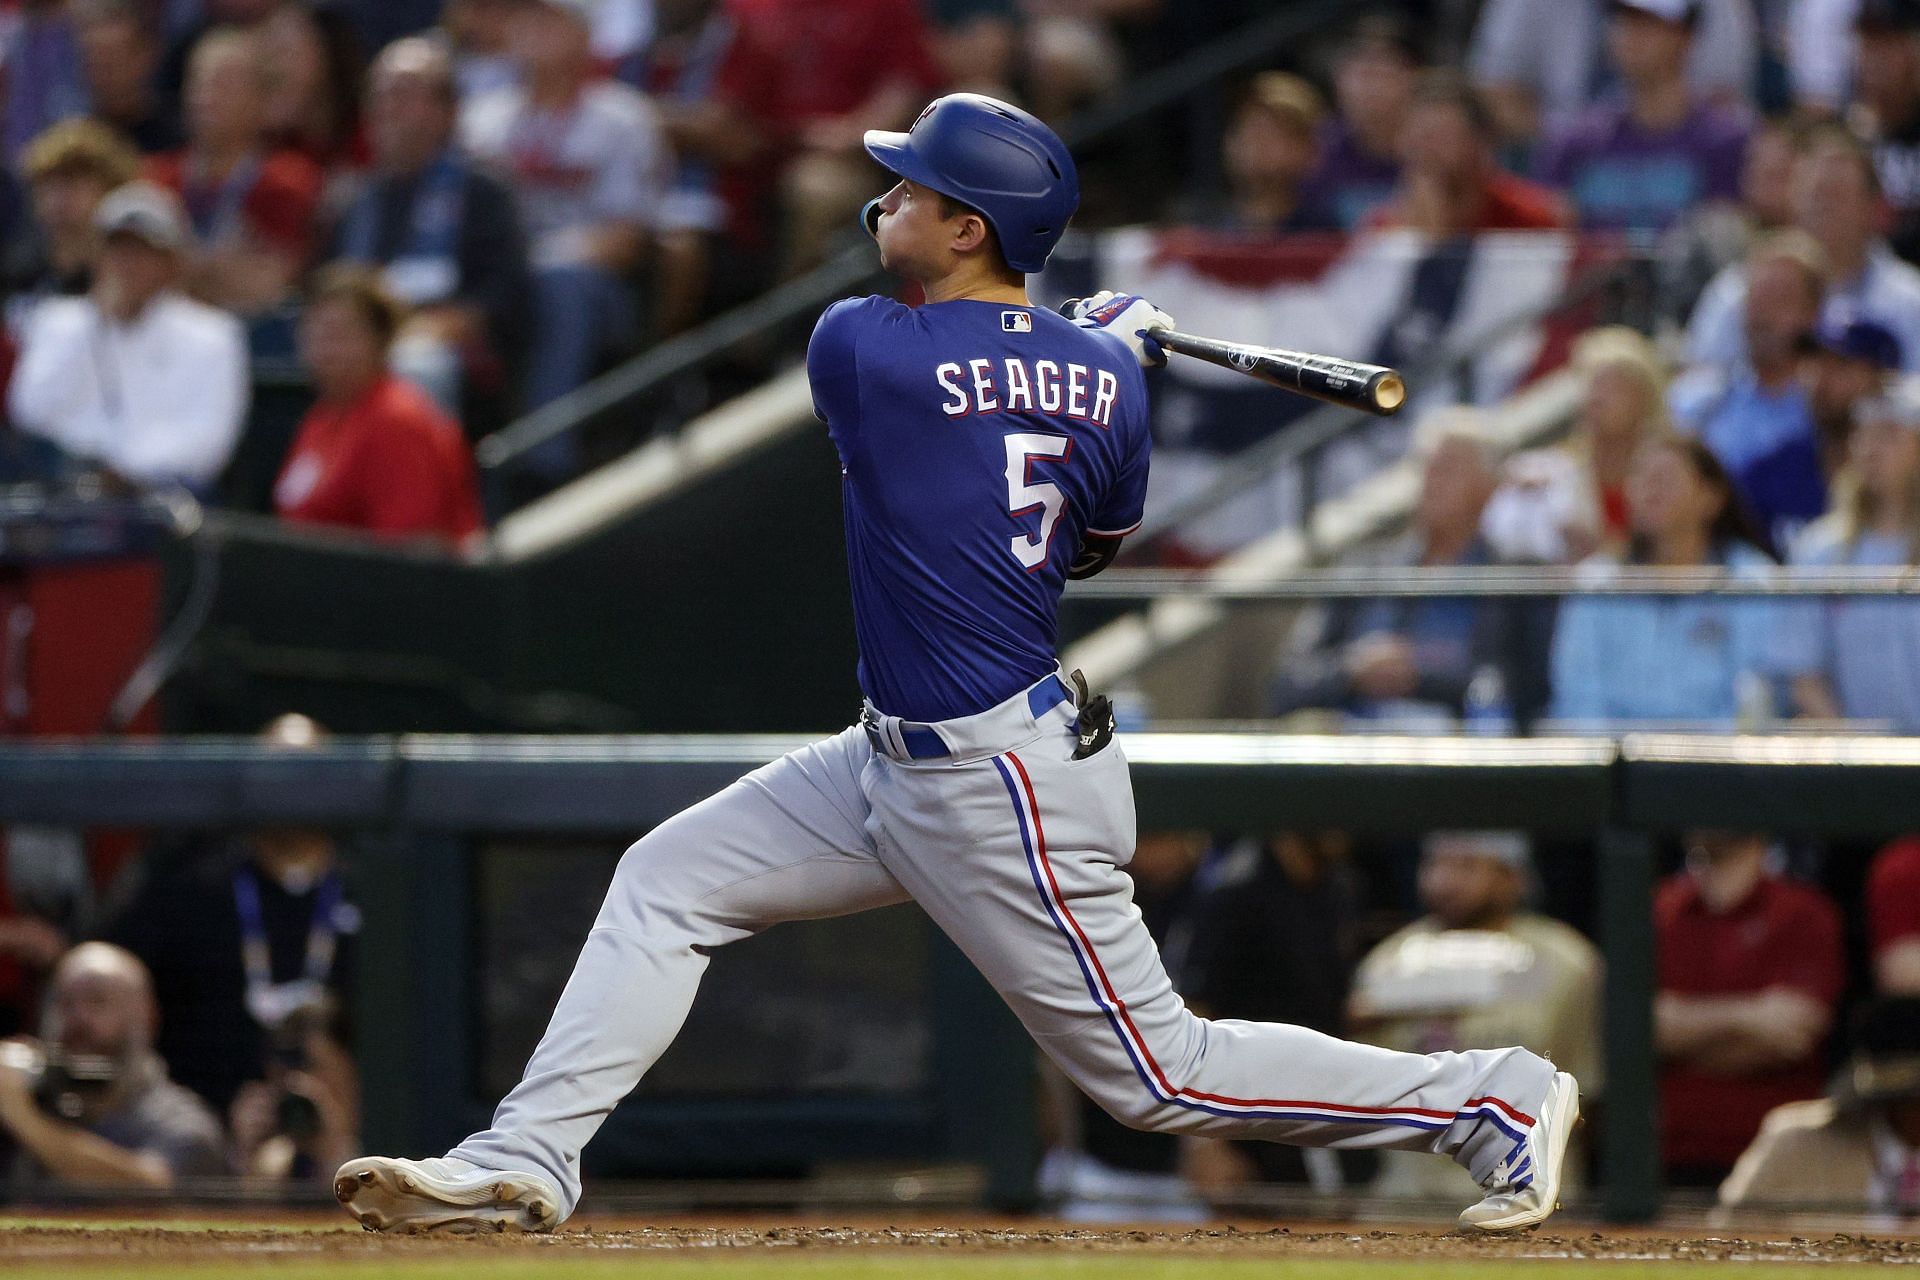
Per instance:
x=1371, y=387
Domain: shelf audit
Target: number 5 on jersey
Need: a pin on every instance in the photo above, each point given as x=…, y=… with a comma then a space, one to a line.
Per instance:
x=1024, y=497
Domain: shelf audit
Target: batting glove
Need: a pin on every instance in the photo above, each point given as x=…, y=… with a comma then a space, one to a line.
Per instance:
x=1126, y=317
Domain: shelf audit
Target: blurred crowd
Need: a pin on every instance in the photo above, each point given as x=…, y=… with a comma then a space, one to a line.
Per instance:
x=1786, y=1019
x=529, y=191
x=185, y=1019
x=447, y=216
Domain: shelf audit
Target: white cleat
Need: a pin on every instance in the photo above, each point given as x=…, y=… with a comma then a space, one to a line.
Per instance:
x=444, y=1194
x=1526, y=1191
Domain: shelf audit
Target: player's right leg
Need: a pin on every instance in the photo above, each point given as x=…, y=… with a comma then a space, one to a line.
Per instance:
x=1018, y=859
x=786, y=842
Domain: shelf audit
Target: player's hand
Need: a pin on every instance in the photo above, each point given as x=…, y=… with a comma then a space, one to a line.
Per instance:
x=1128, y=317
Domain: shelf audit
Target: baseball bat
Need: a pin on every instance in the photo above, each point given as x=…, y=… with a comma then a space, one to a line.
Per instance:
x=1371, y=387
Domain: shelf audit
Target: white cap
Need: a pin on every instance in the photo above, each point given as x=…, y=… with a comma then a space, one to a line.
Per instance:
x=1670, y=10
x=145, y=210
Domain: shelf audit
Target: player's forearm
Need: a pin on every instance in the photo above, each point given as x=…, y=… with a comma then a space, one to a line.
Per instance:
x=71, y=1154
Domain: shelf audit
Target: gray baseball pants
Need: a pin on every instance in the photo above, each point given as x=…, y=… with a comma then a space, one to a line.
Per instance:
x=1014, y=849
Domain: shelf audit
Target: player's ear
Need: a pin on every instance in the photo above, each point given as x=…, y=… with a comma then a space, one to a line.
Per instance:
x=971, y=233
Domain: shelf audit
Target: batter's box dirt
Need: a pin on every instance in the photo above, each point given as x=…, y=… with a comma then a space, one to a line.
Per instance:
x=42, y=1248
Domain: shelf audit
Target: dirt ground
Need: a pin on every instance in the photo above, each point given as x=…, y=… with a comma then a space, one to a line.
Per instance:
x=80, y=1241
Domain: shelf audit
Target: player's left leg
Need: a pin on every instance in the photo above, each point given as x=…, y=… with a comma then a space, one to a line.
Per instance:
x=1018, y=859
x=787, y=842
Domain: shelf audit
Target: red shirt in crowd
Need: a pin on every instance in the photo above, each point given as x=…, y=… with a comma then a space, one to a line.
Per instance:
x=1508, y=203
x=274, y=199
x=1893, y=896
x=1783, y=935
x=389, y=463
x=831, y=56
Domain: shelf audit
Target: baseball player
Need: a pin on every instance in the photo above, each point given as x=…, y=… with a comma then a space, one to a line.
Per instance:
x=990, y=450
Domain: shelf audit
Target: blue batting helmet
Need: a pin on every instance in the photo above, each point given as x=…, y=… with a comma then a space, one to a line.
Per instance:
x=994, y=157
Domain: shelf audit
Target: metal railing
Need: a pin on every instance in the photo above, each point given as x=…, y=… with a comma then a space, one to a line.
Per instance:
x=1358, y=582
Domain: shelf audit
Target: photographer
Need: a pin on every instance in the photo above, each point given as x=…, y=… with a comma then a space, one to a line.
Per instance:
x=92, y=1103
x=250, y=943
x=299, y=1123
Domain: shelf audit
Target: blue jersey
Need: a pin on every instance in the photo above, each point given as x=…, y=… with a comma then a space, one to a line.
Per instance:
x=978, y=443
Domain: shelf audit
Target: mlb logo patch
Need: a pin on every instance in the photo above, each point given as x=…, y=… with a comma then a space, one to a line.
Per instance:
x=1016, y=322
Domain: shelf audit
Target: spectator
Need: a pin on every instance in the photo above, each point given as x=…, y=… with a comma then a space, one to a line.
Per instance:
x=1559, y=506
x=252, y=208
x=135, y=378
x=42, y=81
x=1757, y=416
x=1858, y=1148
x=1074, y=53
x=1714, y=237
x=1660, y=151
x=1267, y=154
x=251, y=945
x=313, y=64
x=1849, y=363
x=1404, y=659
x=121, y=53
x=589, y=168
x=1272, y=933
x=476, y=36
x=1374, y=77
x=711, y=79
x=189, y=22
x=1837, y=202
x=69, y=169
x=1839, y=653
x=118, y=1120
x=1618, y=660
x=1893, y=918
x=979, y=45
x=843, y=67
x=1478, y=971
x=1750, y=969
x=1539, y=60
x=373, y=453
x=1887, y=112
x=1450, y=184
x=444, y=233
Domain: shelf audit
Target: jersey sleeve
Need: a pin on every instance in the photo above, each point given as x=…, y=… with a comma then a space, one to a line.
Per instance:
x=833, y=362
x=1124, y=505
